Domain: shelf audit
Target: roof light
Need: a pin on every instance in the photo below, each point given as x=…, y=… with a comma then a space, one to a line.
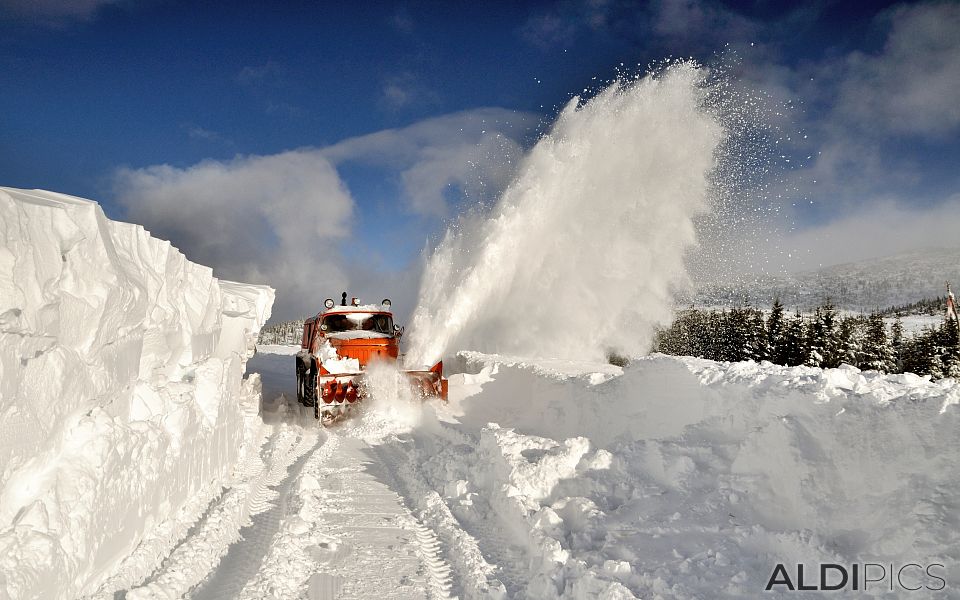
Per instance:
x=355, y=302
x=386, y=303
x=328, y=303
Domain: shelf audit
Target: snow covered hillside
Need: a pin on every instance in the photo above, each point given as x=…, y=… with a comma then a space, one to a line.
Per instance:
x=122, y=390
x=861, y=286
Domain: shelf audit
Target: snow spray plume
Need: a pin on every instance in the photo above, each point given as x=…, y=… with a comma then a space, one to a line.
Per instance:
x=585, y=249
x=758, y=175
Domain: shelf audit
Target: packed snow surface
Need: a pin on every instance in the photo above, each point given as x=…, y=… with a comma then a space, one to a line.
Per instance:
x=687, y=478
x=671, y=478
x=121, y=386
x=584, y=251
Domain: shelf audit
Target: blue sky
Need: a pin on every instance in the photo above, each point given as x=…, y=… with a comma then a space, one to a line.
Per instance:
x=216, y=122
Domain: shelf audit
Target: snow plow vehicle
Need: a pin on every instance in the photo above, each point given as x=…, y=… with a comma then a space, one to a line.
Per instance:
x=338, y=345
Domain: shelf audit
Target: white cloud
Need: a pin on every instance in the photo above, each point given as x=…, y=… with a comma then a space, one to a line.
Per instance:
x=879, y=228
x=911, y=86
x=855, y=111
x=863, y=104
x=396, y=95
x=473, y=151
x=263, y=219
x=281, y=219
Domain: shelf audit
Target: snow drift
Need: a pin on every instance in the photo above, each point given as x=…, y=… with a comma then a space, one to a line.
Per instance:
x=121, y=381
x=687, y=478
x=585, y=249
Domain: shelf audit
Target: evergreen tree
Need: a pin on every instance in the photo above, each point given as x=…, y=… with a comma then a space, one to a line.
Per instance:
x=734, y=327
x=814, y=335
x=934, y=352
x=878, y=353
x=715, y=325
x=796, y=349
x=896, y=344
x=700, y=334
x=776, y=334
x=918, y=353
x=824, y=340
x=950, y=344
x=927, y=353
x=757, y=342
x=286, y=332
x=851, y=341
x=833, y=342
x=685, y=336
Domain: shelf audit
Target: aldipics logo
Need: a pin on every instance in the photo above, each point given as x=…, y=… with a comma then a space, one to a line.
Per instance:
x=911, y=577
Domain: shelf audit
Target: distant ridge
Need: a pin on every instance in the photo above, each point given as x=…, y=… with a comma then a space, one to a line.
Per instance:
x=863, y=285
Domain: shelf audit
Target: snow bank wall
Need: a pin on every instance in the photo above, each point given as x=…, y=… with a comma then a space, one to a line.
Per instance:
x=688, y=478
x=121, y=379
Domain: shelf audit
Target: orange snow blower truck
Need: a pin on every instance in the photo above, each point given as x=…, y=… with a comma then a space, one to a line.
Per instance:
x=363, y=333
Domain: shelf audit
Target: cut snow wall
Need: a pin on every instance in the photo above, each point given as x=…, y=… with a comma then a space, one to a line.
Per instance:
x=121, y=374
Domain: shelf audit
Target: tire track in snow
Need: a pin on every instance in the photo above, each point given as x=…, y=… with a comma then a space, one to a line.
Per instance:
x=284, y=570
x=497, y=547
x=477, y=577
x=440, y=576
x=489, y=556
x=347, y=534
x=245, y=556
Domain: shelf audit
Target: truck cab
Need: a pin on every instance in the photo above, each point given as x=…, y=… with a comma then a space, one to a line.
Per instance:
x=357, y=332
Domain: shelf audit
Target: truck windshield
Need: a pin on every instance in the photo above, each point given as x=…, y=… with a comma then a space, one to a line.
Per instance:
x=376, y=322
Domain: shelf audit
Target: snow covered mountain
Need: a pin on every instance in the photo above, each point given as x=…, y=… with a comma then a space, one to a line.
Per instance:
x=862, y=286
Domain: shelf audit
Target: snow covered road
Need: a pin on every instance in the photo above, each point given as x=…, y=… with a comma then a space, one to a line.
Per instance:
x=673, y=478
x=314, y=513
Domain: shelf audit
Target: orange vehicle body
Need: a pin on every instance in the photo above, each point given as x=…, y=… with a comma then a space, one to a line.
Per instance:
x=355, y=332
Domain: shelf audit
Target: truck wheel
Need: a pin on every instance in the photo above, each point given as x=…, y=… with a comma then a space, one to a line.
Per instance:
x=299, y=382
x=310, y=387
